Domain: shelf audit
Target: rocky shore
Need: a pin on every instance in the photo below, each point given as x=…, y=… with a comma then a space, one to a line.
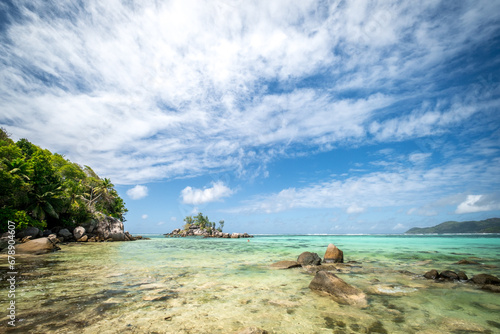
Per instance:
x=35, y=241
x=196, y=230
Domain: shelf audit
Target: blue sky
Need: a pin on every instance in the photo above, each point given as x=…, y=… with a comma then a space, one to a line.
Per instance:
x=275, y=116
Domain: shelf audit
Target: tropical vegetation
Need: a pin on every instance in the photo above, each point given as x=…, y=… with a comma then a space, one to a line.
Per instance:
x=202, y=222
x=43, y=189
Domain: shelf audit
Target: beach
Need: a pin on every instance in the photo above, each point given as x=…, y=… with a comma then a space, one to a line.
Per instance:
x=197, y=285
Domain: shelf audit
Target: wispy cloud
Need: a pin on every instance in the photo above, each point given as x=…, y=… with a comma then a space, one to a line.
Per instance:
x=479, y=203
x=152, y=90
x=397, y=186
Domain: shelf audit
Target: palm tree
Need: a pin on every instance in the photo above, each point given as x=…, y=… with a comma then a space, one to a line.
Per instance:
x=45, y=200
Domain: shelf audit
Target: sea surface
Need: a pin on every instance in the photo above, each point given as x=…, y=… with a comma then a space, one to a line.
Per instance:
x=196, y=285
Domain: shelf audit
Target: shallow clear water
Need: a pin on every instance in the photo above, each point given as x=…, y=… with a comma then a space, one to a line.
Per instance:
x=182, y=285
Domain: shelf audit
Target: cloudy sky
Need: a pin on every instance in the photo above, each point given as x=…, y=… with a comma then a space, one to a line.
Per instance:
x=276, y=116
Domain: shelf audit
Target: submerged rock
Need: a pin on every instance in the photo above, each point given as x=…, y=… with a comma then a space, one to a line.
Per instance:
x=464, y=261
x=37, y=246
x=333, y=255
x=309, y=259
x=285, y=265
x=339, y=290
x=449, y=275
x=485, y=279
x=433, y=274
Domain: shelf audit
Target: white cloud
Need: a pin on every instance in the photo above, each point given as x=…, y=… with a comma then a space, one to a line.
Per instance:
x=160, y=90
x=429, y=189
x=144, y=216
x=137, y=192
x=174, y=219
x=199, y=196
x=478, y=203
x=355, y=209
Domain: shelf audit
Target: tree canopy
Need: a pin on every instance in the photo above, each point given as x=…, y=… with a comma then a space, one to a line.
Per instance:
x=202, y=222
x=42, y=189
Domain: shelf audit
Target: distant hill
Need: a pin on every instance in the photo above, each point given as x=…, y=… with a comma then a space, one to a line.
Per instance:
x=491, y=225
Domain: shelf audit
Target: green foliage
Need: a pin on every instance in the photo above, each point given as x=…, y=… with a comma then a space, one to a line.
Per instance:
x=41, y=189
x=21, y=218
x=202, y=222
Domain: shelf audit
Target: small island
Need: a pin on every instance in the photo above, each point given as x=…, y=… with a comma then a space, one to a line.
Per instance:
x=200, y=225
x=491, y=225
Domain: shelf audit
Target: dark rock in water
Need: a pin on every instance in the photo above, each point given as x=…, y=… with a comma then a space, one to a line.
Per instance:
x=491, y=287
x=78, y=232
x=333, y=255
x=339, y=290
x=485, y=279
x=377, y=327
x=464, y=261
x=285, y=265
x=30, y=231
x=37, y=246
x=449, y=275
x=309, y=259
x=252, y=330
x=46, y=233
x=493, y=324
x=433, y=274
x=462, y=276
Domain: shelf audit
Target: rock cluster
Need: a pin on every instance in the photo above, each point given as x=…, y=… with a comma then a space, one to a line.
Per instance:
x=35, y=241
x=486, y=281
x=195, y=230
x=324, y=281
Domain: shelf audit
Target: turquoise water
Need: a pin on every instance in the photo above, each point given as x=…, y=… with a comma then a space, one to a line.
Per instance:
x=182, y=285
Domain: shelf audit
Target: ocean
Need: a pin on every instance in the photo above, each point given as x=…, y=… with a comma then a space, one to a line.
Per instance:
x=196, y=285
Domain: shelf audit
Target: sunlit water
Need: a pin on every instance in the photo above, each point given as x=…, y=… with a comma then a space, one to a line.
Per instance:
x=182, y=285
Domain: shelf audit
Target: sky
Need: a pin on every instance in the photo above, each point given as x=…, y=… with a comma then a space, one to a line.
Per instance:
x=327, y=117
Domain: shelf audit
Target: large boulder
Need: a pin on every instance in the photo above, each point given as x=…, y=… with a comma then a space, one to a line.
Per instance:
x=78, y=232
x=339, y=290
x=65, y=233
x=485, y=279
x=110, y=228
x=333, y=255
x=29, y=232
x=309, y=259
x=37, y=246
